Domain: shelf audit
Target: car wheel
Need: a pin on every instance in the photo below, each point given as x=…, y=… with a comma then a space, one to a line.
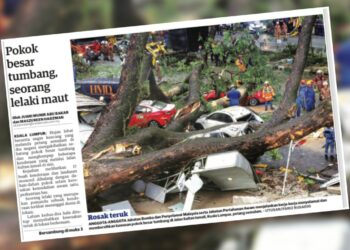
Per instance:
x=198, y=126
x=253, y=102
x=153, y=124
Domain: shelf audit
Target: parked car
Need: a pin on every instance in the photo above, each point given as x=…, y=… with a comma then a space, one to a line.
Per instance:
x=152, y=113
x=227, y=170
x=90, y=51
x=89, y=110
x=231, y=130
x=233, y=114
x=212, y=95
x=256, y=98
x=85, y=130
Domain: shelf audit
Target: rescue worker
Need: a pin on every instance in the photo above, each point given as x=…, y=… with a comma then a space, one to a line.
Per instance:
x=107, y=51
x=300, y=101
x=234, y=95
x=268, y=93
x=325, y=91
x=318, y=81
x=240, y=64
x=330, y=143
x=278, y=31
x=309, y=97
x=214, y=55
x=284, y=30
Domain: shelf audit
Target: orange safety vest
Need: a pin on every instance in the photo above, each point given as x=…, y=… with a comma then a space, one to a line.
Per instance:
x=241, y=66
x=268, y=93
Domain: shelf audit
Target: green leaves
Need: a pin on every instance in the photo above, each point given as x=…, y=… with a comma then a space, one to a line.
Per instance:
x=275, y=154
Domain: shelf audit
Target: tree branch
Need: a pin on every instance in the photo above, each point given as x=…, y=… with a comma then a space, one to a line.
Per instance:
x=293, y=81
x=115, y=118
x=102, y=175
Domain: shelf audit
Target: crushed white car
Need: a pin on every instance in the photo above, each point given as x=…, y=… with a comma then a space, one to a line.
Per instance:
x=228, y=171
x=231, y=130
x=89, y=110
x=235, y=114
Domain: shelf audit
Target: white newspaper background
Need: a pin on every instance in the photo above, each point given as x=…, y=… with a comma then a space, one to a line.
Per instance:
x=47, y=151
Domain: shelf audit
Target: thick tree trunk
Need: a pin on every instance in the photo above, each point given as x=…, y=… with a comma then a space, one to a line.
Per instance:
x=293, y=81
x=102, y=175
x=194, y=82
x=178, y=89
x=192, y=111
x=186, y=116
x=115, y=119
x=155, y=92
x=154, y=138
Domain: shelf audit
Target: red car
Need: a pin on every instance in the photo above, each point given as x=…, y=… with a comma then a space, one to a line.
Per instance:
x=152, y=113
x=212, y=95
x=80, y=48
x=256, y=98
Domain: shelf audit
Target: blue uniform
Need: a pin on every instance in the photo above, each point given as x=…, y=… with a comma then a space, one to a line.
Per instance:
x=234, y=96
x=309, y=98
x=301, y=101
x=330, y=141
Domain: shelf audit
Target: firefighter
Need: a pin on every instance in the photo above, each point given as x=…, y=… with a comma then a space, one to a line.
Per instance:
x=318, y=80
x=330, y=143
x=309, y=97
x=300, y=101
x=268, y=93
x=234, y=95
x=278, y=31
x=240, y=64
x=284, y=30
x=325, y=91
x=107, y=51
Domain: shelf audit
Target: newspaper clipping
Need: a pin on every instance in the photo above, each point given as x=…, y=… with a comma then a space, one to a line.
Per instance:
x=174, y=124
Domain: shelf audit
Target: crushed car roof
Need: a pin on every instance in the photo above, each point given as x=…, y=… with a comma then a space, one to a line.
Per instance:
x=85, y=102
x=236, y=111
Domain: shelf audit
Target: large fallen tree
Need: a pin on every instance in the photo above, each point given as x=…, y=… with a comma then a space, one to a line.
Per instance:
x=291, y=87
x=115, y=118
x=171, y=150
x=101, y=174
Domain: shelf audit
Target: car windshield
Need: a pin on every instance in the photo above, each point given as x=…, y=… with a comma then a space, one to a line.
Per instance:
x=159, y=105
x=246, y=118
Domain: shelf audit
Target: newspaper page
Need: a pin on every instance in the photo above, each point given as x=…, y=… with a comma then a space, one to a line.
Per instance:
x=174, y=124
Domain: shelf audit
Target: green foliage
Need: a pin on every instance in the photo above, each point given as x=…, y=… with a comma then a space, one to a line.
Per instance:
x=266, y=116
x=316, y=58
x=182, y=66
x=145, y=91
x=288, y=52
x=97, y=70
x=170, y=65
x=244, y=44
x=275, y=154
x=309, y=181
x=80, y=65
x=240, y=43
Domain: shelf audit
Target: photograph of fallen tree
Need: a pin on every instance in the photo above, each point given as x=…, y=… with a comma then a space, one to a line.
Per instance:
x=206, y=117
